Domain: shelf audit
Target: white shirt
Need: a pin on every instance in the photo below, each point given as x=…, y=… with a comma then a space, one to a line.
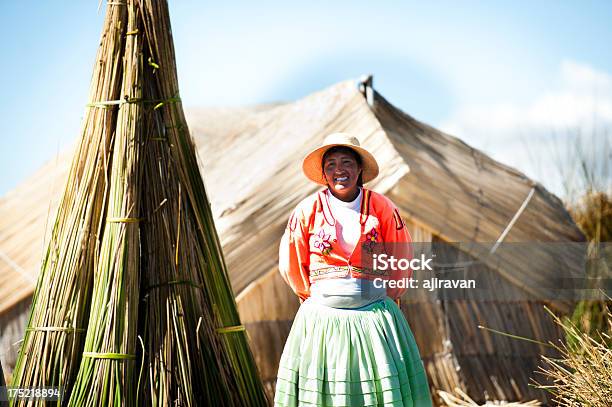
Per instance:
x=348, y=228
x=347, y=292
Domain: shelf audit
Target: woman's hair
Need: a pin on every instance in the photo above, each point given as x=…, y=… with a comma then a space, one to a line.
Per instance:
x=343, y=149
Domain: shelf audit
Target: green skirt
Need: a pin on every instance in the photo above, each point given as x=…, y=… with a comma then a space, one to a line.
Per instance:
x=351, y=357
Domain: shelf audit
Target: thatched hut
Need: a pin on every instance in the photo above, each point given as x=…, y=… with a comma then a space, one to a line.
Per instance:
x=447, y=191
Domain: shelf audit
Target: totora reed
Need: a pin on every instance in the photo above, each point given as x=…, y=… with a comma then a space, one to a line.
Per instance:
x=133, y=305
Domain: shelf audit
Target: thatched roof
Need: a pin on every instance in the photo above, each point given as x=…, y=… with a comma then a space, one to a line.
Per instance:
x=23, y=222
x=251, y=161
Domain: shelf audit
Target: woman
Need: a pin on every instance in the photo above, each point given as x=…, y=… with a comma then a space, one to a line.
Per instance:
x=349, y=344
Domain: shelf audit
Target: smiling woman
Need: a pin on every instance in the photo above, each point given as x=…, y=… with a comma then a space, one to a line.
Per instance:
x=350, y=344
x=342, y=172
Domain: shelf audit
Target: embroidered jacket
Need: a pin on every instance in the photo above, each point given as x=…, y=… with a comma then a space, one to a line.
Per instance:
x=310, y=251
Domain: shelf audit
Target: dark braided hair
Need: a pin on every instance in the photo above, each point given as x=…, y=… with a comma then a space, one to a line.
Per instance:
x=348, y=150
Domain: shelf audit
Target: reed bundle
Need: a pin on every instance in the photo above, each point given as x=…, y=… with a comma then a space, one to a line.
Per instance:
x=51, y=349
x=461, y=399
x=107, y=367
x=201, y=247
x=162, y=324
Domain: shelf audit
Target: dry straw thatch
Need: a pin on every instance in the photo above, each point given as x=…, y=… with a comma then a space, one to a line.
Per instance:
x=463, y=400
x=161, y=326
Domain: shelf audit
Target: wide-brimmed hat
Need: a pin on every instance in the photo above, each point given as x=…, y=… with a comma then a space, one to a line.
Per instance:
x=312, y=165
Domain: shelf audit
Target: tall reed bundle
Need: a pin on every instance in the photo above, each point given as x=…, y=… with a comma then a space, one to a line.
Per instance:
x=181, y=346
x=51, y=349
x=107, y=368
x=196, y=291
x=159, y=272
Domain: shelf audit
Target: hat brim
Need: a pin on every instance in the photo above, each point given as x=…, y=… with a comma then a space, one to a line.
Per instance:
x=311, y=166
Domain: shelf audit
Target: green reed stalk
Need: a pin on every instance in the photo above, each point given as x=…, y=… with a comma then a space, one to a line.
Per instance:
x=106, y=373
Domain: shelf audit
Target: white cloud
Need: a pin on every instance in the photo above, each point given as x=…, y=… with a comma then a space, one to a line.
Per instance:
x=581, y=76
x=526, y=135
x=583, y=93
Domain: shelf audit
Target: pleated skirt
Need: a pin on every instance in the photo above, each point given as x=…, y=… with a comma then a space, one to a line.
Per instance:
x=351, y=357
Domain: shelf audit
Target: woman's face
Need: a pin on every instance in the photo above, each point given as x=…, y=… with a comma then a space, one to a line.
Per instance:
x=341, y=172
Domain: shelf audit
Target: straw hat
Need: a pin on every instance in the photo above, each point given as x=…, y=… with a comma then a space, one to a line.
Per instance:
x=312, y=162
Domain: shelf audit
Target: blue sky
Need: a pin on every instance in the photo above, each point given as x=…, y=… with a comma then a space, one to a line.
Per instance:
x=496, y=74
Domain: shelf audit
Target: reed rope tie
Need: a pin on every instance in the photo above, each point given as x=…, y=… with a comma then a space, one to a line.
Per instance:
x=152, y=63
x=175, y=282
x=65, y=329
x=111, y=356
x=229, y=329
x=124, y=220
x=105, y=104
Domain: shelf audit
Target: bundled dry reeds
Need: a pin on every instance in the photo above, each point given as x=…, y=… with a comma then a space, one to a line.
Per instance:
x=51, y=349
x=461, y=399
x=186, y=284
x=161, y=321
x=107, y=367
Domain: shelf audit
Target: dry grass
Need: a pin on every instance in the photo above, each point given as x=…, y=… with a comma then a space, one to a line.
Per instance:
x=582, y=375
x=593, y=214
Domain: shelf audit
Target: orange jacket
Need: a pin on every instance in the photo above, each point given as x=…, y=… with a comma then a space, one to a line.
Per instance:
x=310, y=251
